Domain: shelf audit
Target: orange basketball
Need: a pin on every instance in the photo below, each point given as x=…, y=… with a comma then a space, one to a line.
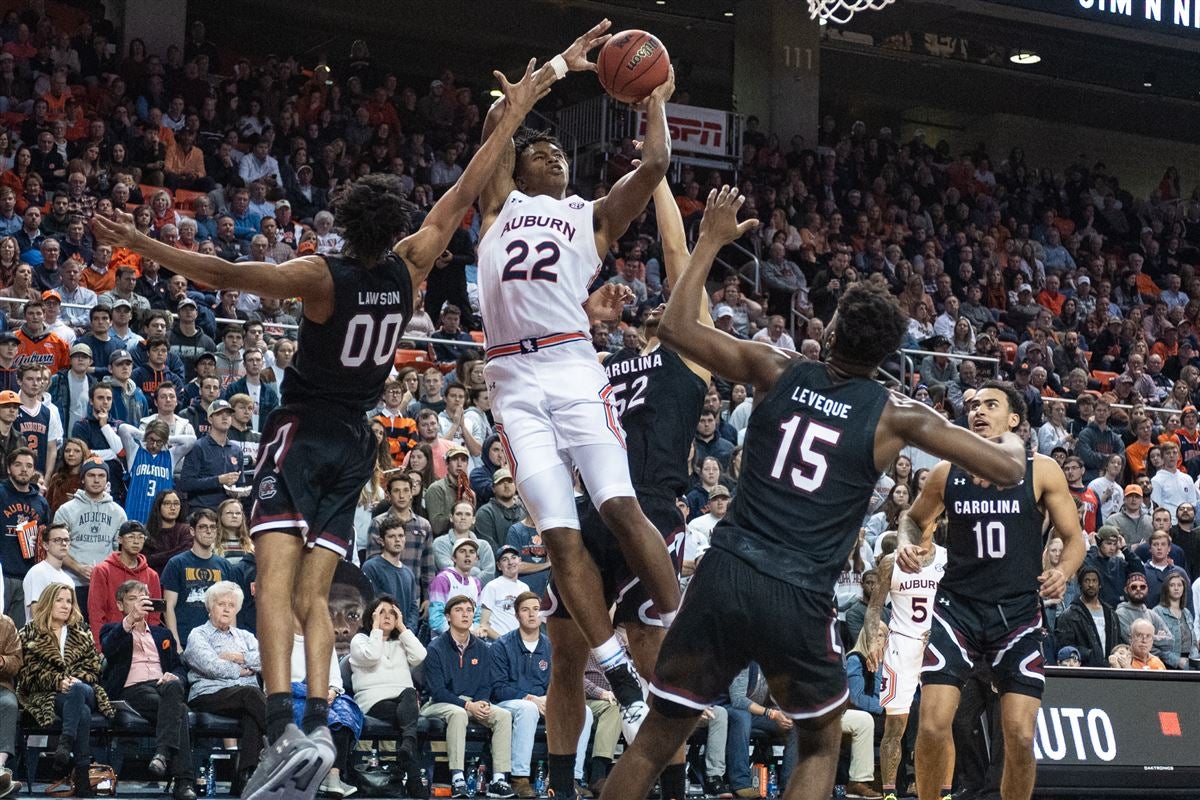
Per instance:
x=632, y=64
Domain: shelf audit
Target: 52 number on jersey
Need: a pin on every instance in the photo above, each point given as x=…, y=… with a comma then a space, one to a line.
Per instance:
x=809, y=473
x=636, y=399
x=540, y=270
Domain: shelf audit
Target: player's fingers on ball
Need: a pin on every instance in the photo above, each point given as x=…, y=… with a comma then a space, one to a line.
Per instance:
x=529, y=67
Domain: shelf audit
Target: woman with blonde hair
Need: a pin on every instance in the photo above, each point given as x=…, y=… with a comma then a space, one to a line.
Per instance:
x=61, y=677
x=233, y=537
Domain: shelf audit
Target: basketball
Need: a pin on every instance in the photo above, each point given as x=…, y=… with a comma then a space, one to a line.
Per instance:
x=632, y=64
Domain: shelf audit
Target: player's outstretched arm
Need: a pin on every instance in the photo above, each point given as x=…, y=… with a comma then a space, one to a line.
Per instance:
x=574, y=59
x=875, y=607
x=421, y=249
x=737, y=360
x=676, y=257
x=906, y=421
x=915, y=529
x=1050, y=484
x=305, y=277
x=629, y=195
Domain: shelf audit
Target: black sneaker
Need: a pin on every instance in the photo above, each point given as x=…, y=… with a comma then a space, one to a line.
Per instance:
x=715, y=787
x=627, y=688
x=500, y=788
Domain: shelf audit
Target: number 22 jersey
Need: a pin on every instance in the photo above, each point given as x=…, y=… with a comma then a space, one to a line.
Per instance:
x=536, y=263
x=807, y=475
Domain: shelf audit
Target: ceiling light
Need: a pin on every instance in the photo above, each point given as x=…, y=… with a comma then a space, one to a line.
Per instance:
x=1025, y=58
x=1148, y=81
x=496, y=93
x=729, y=13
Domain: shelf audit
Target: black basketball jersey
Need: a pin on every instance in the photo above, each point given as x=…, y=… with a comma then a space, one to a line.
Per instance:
x=346, y=360
x=808, y=470
x=994, y=538
x=659, y=399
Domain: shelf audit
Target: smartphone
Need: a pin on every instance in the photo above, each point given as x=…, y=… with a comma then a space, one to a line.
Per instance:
x=158, y=604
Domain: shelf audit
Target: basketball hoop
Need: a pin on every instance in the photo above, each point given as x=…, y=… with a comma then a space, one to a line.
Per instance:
x=841, y=11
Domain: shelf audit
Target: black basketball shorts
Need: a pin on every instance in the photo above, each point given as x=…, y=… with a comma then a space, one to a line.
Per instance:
x=733, y=614
x=1005, y=638
x=312, y=466
x=621, y=586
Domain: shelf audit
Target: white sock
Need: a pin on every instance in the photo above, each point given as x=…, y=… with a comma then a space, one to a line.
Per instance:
x=497, y=776
x=610, y=654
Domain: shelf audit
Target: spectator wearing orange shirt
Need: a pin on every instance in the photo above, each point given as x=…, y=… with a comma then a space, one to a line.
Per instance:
x=184, y=165
x=100, y=276
x=38, y=344
x=689, y=202
x=1147, y=288
x=1137, y=451
x=1050, y=297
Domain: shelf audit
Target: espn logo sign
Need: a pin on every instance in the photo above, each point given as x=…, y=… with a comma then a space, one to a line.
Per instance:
x=693, y=129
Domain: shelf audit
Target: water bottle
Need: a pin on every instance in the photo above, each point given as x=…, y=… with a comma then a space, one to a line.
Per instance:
x=373, y=761
x=210, y=778
x=424, y=782
x=772, y=783
x=472, y=779
x=539, y=783
x=481, y=780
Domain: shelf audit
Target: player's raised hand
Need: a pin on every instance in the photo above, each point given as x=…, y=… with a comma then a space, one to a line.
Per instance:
x=114, y=233
x=910, y=557
x=1054, y=584
x=663, y=92
x=532, y=86
x=720, y=216
x=608, y=302
x=576, y=55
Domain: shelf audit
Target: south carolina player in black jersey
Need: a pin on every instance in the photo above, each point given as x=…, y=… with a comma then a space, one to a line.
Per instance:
x=317, y=451
x=659, y=396
x=987, y=610
x=818, y=439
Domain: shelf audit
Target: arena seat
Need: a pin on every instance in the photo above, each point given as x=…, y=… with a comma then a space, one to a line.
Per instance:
x=184, y=199
x=477, y=336
x=148, y=191
x=412, y=358
x=1010, y=351
x=1105, y=379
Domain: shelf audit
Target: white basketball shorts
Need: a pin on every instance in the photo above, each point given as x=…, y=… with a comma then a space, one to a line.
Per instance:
x=901, y=673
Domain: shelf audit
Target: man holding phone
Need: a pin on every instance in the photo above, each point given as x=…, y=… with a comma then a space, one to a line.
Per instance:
x=127, y=564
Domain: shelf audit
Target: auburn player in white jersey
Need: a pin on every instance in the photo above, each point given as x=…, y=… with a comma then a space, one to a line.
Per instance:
x=554, y=408
x=900, y=660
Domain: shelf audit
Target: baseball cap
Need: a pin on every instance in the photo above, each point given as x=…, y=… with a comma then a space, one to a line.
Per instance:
x=92, y=464
x=1135, y=576
x=1107, y=532
x=218, y=405
x=8, y=337
x=283, y=204
x=1124, y=378
x=718, y=491
x=474, y=545
x=187, y=301
x=501, y=474
x=52, y=294
x=508, y=549
x=457, y=450
x=118, y=356
x=120, y=303
x=722, y=310
x=206, y=357
x=1133, y=488
x=1082, y=279
x=435, y=83
x=1068, y=652
x=1188, y=410
x=1024, y=287
x=81, y=349
x=9, y=398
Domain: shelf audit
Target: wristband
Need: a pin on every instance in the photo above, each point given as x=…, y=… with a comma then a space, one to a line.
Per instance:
x=559, y=65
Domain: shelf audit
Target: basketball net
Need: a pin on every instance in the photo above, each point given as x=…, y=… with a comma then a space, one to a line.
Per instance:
x=841, y=11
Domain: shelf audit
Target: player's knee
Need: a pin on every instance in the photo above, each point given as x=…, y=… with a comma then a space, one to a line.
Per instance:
x=1018, y=737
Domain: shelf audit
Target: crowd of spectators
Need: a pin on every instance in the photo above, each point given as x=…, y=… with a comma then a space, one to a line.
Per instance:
x=131, y=399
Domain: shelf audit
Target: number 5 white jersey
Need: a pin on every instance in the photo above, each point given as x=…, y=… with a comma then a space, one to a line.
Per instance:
x=912, y=596
x=536, y=262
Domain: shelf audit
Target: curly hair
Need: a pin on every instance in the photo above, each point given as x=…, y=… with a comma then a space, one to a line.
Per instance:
x=528, y=137
x=869, y=325
x=374, y=215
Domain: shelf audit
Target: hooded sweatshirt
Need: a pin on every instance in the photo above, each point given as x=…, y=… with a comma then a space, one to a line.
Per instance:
x=93, y=525
x=481, y=477
x=102, y=596
x=129, y=402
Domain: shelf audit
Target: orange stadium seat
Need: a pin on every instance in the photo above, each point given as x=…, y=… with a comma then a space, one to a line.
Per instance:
x=412, y=358
x=1105, y=379
x=477, y=336
x=1010, y=351
x=184, y=199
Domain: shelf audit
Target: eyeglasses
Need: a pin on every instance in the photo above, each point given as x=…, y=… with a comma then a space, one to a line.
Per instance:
x=206, y=527
x=59, y=540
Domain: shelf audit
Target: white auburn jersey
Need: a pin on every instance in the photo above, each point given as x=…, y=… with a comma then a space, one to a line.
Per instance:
x=536, y=262
x=912, y=596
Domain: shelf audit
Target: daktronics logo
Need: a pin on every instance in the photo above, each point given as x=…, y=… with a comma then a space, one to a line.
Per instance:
x=1084, y=734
